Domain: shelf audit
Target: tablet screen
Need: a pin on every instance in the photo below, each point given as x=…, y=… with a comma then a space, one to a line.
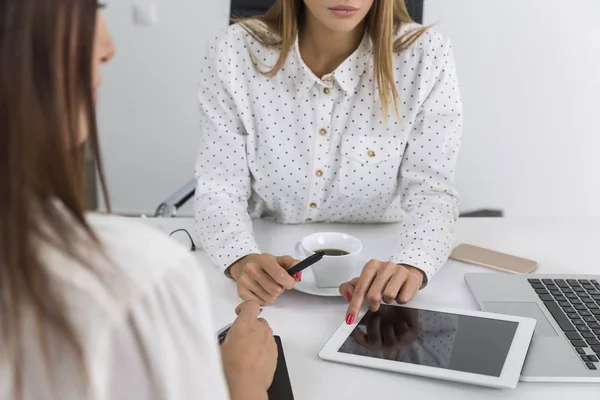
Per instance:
x=434, y=339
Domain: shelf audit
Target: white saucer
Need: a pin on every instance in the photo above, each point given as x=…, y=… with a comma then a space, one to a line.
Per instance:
x=309, y=285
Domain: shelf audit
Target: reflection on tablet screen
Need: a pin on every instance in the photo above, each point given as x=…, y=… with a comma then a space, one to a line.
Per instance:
x=434, y=339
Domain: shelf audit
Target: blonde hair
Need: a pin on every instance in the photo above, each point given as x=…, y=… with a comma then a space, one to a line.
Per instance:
x=384, y=20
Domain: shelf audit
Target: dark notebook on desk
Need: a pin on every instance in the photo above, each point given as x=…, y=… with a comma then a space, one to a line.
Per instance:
x=281, y=389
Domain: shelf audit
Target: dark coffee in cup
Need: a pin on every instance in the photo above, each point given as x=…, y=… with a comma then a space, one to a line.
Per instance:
x=333, y=252
x=343, y=262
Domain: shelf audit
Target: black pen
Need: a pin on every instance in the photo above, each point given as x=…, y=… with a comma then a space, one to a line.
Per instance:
x=302, y=265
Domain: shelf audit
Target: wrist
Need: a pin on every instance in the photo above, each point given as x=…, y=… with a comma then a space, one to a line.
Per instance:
x=246, y=389
x=229, y=272
x=234, y=271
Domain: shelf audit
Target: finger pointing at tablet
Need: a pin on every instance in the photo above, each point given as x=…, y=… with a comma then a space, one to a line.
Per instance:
x=381, y=281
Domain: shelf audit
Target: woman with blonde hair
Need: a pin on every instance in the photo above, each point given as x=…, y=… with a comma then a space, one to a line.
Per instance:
x=94, y=306
x=329, y=111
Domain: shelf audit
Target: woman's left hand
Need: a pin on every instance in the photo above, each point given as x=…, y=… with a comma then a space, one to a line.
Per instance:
x=381, y=281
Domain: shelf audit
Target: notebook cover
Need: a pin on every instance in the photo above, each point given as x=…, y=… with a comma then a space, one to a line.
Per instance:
x=281, y=389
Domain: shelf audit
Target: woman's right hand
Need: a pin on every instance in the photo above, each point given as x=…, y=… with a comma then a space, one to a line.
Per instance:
x=263, y=277
x=249, y=354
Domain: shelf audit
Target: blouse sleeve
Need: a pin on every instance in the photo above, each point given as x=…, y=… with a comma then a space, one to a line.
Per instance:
x=429, y=198
x=224, y=179
x=164, y=347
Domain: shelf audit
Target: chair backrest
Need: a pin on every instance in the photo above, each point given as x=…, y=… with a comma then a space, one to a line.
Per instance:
x=249, y=8
x=415, y=9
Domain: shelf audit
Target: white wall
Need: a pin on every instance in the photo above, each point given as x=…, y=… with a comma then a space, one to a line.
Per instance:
x=529, y=71
x=530, y=76
x=148, y=113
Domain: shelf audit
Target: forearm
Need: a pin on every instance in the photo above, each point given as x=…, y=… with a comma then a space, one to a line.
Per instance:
x=224, y=228
x=427, y=237
x=240, y=390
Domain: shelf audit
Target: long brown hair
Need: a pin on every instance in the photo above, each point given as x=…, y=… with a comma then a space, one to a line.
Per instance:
x=46, y=50
x=383, y=21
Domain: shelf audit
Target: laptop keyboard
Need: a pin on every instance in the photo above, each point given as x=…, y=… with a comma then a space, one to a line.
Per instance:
x=575, y=306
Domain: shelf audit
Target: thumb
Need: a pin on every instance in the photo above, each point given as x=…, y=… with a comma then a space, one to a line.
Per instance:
x=248, y=310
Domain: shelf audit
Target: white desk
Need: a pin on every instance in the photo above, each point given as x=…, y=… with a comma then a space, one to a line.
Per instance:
x=306, y=322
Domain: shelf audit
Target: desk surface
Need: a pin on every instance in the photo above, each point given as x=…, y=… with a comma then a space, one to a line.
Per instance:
x=305, y=323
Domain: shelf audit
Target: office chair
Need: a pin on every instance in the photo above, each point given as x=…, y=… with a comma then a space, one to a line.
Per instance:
x=169, y=207
x=248, y=8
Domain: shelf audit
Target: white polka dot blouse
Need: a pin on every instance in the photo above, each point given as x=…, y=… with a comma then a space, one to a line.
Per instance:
x=298, y=148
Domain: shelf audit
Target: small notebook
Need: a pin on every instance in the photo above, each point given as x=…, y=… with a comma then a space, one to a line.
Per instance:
x=281, y=389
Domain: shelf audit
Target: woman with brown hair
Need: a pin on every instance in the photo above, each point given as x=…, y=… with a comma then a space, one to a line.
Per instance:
x=329, y=111
x=93, y=306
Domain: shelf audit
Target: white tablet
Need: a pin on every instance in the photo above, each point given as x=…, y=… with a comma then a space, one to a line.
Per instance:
x=464, y=346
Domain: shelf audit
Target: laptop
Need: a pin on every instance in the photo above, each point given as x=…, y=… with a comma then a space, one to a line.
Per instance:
x=566, y=343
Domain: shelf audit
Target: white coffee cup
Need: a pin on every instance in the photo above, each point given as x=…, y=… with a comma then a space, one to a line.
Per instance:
x=332, y=271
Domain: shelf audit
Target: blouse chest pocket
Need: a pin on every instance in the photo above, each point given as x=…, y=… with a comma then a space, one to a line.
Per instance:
x=370, y=166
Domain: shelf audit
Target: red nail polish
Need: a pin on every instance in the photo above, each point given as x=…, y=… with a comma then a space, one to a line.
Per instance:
x=298, y=277
x=350, y=319
x=348, y=296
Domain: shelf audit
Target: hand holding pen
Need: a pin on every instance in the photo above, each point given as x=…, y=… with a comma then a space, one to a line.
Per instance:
x=264, y=277
x=301, y=266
